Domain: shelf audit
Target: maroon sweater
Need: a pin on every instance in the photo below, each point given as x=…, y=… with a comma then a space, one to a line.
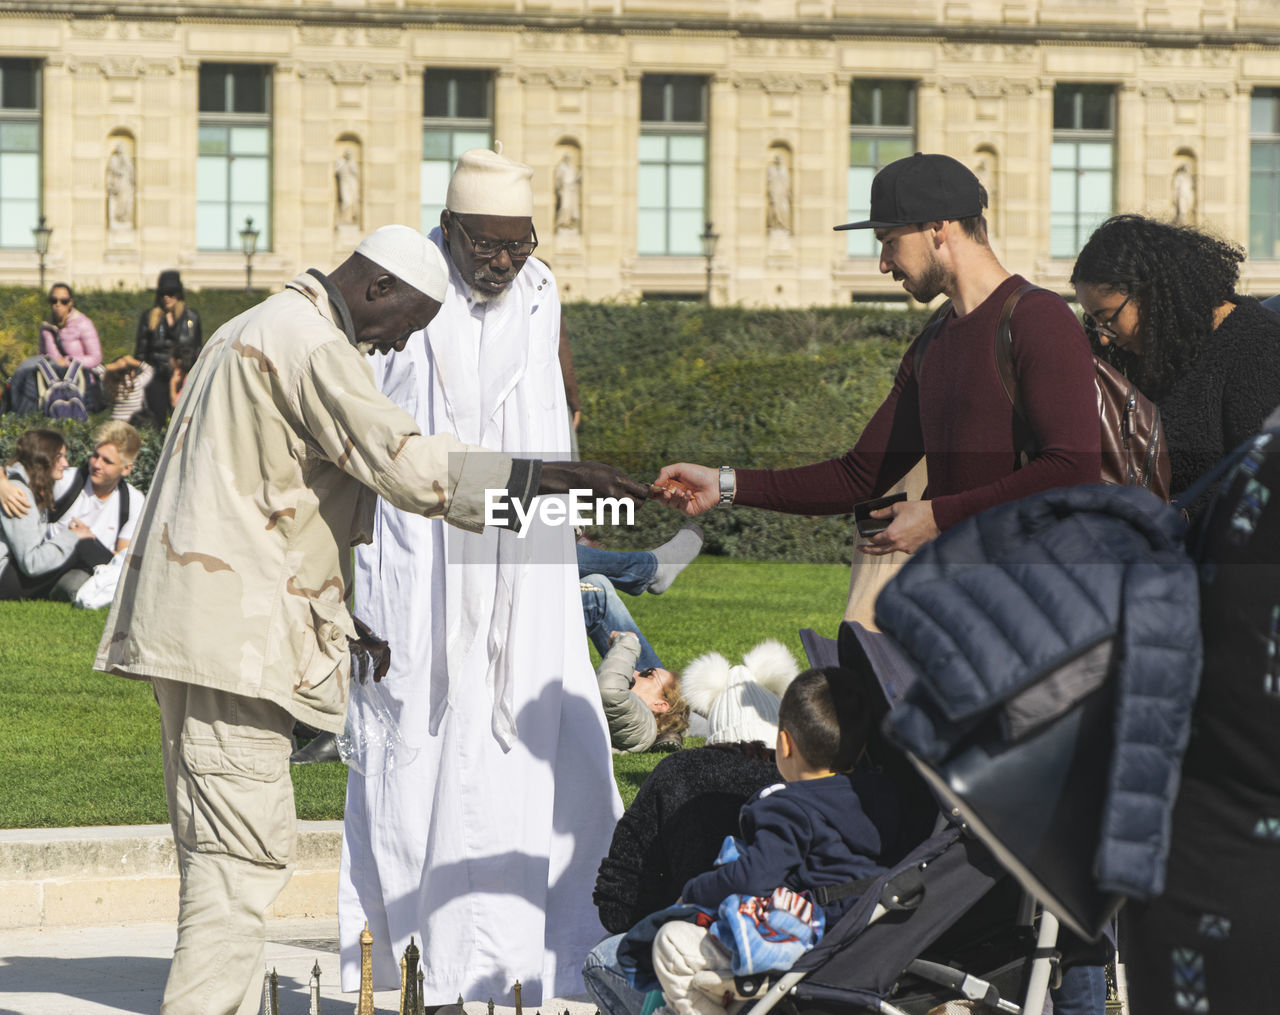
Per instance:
x=959, y=417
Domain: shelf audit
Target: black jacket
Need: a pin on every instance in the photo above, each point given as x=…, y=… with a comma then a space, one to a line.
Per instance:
x=157, y=341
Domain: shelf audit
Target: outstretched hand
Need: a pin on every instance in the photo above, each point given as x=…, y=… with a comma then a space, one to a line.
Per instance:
x=691, y=489
x=601, y=479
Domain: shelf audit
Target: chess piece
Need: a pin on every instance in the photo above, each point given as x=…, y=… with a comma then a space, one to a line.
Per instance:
x=365, y=1004
x=315, y=989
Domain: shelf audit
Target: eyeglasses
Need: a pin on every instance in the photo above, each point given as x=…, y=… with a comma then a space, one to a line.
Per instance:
x=61, y=301
x=1104, y=329
x=489, y=249
x=650, y=671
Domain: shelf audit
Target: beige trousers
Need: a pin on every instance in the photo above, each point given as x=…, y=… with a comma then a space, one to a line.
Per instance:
x=868, y=575
x=694, y=970
x=226, y=773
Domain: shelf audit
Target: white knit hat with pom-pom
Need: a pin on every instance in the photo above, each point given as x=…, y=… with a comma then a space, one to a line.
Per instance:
x=740, y=702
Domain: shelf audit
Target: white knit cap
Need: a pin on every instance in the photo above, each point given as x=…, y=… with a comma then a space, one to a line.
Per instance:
x=745, y=710
x=410, y=257
x=488, y=183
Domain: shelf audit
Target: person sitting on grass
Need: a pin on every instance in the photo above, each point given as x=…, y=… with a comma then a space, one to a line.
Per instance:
x=824, y=828
x=642, y=707
x=31, y=557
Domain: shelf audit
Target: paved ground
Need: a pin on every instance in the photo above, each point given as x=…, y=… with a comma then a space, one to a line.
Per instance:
x=92, y=971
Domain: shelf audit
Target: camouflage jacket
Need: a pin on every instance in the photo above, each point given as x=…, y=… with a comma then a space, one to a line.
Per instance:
x=240, y=565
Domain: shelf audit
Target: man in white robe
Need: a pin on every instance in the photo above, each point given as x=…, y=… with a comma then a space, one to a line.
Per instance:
x=484, y=840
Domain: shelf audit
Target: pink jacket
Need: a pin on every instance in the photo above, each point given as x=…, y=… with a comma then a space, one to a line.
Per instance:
x=79, y=340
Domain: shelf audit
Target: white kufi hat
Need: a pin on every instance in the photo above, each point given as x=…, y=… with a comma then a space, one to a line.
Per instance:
x=410, y=257
x=488, y=183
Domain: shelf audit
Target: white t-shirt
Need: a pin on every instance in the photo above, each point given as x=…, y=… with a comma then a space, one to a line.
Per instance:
x=102, y=516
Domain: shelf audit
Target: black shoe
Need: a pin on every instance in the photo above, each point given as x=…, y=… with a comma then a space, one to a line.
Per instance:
x=323, y=748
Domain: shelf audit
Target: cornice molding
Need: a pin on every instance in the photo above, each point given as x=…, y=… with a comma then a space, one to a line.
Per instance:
x=816, y=29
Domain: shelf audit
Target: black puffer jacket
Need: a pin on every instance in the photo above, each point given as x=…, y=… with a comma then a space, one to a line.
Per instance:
x=157, y=339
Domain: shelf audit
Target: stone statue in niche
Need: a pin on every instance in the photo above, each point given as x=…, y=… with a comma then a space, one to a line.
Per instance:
x=1184, y=195
x=346, y=173
x=986, y=176
x=121, y=186
x=567, y=185
x=778, y=195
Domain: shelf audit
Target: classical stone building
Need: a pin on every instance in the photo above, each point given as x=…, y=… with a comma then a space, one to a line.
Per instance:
x=148, y=133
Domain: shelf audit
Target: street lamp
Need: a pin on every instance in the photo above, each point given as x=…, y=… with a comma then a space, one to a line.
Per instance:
x=248, y=243
x=42, y=232
x=709, y=238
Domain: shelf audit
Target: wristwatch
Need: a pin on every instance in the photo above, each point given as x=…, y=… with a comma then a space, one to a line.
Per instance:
x=728, y=486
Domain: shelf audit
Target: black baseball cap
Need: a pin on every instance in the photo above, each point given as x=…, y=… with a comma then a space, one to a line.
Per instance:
x=922, y=188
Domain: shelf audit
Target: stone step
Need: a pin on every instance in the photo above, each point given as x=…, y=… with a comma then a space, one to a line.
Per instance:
x=93, y=877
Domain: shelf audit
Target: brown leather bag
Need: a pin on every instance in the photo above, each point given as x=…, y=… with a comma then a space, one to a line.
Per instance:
x=1134, y=452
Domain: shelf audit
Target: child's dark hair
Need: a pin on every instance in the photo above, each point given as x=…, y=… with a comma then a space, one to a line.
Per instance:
x=825, y=716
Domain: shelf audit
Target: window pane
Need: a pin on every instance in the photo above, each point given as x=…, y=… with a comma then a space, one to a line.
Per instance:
x=1095, y=196
x=686, y=227
x=687, y=183
x=20, y=137
x=1264, y=112
x=249, y=90
x=895, y=103
x=862, y=103
x=1064, y=107
x=437, y=144
x=1095, y=113
x=1062, y=236
x=652, y=97
x=684, y=148
x=651, y=232
x=249, y=140
x=1062, y=191
x=17, y=219
x=18, y=78
x=214, y=141
x=249, y=180
x=213, y=88
x=1095, y=156
x=652, y=148
x=211, y=226
x=892, y=149
x=686, y=99
x=433, y=178
x=211, y=179
x=861, y=151
x=1062, y=155
x=651, y=187
x=464, y=140
x=20, y=176
x=472, y=95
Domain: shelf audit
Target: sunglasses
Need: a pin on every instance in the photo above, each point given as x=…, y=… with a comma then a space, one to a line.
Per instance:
x=61, y=301
x=650, y=671
x=1103, y=329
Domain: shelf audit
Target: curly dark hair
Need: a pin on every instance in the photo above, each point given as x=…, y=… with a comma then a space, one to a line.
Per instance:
x=1177, y=276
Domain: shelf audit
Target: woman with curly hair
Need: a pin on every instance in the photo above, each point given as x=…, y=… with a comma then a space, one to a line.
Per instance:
x=1159, y=302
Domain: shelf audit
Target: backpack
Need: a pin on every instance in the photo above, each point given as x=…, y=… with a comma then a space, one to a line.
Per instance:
x=1134, y=450
x=62, y=397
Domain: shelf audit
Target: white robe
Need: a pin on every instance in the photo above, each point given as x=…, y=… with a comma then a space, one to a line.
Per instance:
x=486, y=856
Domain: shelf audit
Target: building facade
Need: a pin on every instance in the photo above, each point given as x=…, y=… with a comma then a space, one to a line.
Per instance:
x=147, y=134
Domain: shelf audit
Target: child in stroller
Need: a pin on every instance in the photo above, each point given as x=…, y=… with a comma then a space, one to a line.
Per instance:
x=823, y=832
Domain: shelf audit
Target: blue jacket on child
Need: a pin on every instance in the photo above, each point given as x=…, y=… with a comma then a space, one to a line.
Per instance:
x=804, y=835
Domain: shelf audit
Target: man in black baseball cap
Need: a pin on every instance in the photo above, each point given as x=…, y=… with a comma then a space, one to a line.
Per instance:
x=949, y=407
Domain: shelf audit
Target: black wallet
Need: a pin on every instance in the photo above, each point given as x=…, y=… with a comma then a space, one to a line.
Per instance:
x=868, y=526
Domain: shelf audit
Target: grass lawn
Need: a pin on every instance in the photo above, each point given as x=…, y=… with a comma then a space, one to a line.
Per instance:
x=83, y=748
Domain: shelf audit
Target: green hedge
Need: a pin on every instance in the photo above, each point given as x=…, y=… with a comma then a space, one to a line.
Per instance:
x=114, y=313
x=668, y=382
x=659, y=383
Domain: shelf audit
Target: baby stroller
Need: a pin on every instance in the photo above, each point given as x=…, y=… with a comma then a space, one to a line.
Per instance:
x=946, y=924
